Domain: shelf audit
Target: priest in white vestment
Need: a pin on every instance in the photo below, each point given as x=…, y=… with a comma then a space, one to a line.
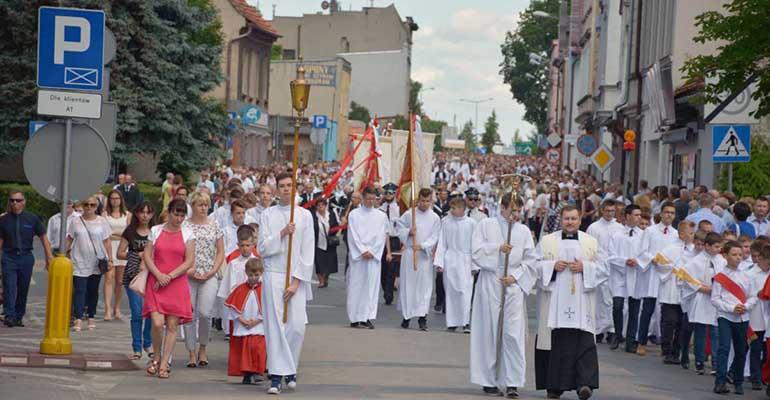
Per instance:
x=505, y=369
x=570, y=263
x=416, y=284
x=603, y=230
x=284, y=340
x=367, y=233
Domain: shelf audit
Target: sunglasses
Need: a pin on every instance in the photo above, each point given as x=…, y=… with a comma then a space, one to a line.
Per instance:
x=474, y=199
x=90, y=205
x=16, y=200
x=389, y=192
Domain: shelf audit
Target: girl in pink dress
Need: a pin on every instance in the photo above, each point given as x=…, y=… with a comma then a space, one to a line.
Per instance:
x=168, y=255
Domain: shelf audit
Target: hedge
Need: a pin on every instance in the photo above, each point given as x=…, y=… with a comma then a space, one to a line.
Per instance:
x=45, y=208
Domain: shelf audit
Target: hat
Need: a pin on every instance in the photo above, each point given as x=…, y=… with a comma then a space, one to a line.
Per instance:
x=472, y=193
x=390, y=187
x=455, y=194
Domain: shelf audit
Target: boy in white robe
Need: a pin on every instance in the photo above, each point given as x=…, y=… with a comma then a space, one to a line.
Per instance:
x=284, y=339
x=416, y=283
x=495, y=365
x=238, y=218
x=675, y=255
x=758, y=274
x=453, y=261
x=624, y=250
x=696, y=293
x=234, y=273
x=606, y=315
x=570, y=263
x=367, y=234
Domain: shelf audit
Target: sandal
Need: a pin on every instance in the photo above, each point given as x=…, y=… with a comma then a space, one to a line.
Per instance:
x=192, y=365
x=136, y=356
x=150, y=353
x=203, y=363
x=77, y=326
x=164, y=373
x=152, y=367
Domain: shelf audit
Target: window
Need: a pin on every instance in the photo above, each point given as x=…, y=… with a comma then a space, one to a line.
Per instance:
x=289, y=54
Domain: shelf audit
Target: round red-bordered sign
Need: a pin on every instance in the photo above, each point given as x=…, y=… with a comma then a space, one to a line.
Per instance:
x=586, y=145
x=553, y=156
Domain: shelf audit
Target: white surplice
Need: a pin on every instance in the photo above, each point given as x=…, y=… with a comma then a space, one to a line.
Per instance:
x=416, y=287
x=656, y=238
x=678, y=253
x=603, y=230
x=696, y=304
x=573, y=294
x=625, y=245
x=284, y=341
x=367, y=231
x=453, y=254
x=250, y=311
x=489, y=234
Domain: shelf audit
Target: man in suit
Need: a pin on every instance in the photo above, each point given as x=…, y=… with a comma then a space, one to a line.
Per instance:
x=131, y=193
x=441, y=206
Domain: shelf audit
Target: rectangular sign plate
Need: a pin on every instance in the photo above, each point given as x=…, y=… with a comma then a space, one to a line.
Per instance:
x=69, y=104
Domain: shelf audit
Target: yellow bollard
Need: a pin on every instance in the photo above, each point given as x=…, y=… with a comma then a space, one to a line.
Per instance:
x=58, y=308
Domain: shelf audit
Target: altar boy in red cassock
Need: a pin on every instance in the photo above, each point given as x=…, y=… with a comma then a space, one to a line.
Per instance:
x=248, y=355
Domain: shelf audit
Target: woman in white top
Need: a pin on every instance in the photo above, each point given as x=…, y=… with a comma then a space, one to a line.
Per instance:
x=118, y=217
x=88, y=240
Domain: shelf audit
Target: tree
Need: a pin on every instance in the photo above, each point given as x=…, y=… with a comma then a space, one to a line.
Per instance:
x=359, y=113
x=168, y=59
x=276, y=52
x=490, y=136
x=433, y=126
x=415, y=106
x=751, y=178
x=529, y=83
x=743, y=50
x=516, y=136
x=467, y=135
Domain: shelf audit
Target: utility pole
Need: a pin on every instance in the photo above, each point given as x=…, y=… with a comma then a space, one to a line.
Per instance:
x=476, y=103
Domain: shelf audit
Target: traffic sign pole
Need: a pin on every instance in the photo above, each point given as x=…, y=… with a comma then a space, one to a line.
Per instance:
x=730, y=177
x=65, y=190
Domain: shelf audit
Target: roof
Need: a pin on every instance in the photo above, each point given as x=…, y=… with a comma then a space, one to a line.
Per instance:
x=253, y=16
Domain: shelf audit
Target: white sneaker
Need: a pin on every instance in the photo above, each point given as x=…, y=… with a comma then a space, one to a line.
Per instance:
x=274, y=390
x=291, y=385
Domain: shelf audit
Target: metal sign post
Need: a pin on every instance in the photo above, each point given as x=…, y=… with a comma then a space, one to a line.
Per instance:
x=65, y=192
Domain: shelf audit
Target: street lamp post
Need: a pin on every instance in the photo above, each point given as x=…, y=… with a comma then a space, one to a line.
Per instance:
x=476, y=103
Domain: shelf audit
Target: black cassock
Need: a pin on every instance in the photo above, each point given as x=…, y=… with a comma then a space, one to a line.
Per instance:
x=571, y=363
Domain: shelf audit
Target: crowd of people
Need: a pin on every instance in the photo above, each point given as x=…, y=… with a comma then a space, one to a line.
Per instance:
x=663, y=266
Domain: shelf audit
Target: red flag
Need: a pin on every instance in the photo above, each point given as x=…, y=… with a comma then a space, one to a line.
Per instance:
x=372, y=170
x=406, y=182
x=329, y=188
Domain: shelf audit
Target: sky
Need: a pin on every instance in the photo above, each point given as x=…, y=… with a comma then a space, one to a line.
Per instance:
x=456, y=51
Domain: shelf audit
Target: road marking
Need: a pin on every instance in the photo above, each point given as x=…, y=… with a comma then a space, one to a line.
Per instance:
x=13, y=360
x=57, y=361
x=98, y=364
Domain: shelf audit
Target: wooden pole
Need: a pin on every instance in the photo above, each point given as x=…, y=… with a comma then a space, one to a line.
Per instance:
x=414, y=194
x=294, y=162
x=501, y=316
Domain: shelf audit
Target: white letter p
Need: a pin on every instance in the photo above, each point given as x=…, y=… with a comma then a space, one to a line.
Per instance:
x=60, y=45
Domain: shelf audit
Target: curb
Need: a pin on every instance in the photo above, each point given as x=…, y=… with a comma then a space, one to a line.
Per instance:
x=80, y=361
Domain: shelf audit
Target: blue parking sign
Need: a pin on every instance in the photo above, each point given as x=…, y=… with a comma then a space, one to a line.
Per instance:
x=70, y=48
x=319, y=121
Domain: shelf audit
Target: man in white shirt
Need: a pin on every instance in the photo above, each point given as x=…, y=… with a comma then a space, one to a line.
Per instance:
x=608, y=300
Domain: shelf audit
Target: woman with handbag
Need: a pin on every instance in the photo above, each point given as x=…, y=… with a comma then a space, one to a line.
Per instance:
x=168, y=255
x=118, y=217
x=326, y=241
x=90, y=248
x=131, y=249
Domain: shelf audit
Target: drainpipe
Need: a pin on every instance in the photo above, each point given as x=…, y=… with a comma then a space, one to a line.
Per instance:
x=626, y=85
x=638, y=95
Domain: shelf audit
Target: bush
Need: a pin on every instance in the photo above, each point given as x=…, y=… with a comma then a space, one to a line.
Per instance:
x=751, y=178
x=150, y=191
x=36, y=204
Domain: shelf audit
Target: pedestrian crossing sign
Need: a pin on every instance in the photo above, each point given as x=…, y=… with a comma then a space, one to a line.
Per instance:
x=731, y=143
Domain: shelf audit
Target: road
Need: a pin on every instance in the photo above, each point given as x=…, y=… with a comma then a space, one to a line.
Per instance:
x=337, y=363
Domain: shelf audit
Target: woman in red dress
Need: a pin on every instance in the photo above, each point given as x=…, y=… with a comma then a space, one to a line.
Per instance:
x=168, y=255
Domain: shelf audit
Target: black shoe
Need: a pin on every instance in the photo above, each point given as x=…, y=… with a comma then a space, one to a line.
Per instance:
x=354, y=324
x=511, y=392
x=615, y=343
x=756, y=385
x=584, y=393
x=599, y=338
x=738, y=389
x=653, y=339
x=9, y=322
x=247, y=379
x=700, y=369
x=217, y=324
x=438, y=308
x=368, y=324
x=631, y=347
x=17, y=322
x=553, y=394
x=767, y=391
x=388, y=302
x=730, y=378
x=451, y=329
x=467, y=328
x=685, y=364
x=423, y=323
x=491, y=390
x=721, y=389
x=670, y=360
x=405, y=324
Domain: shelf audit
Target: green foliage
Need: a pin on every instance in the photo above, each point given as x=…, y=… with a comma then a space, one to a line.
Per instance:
x=35, y=203
x=276, y=52
x=743, y=49
x=359, y=113
x=530, y=82
x=415, y=105
x=468, y=136
x=751, y=178
x=400, y=122
x=150, y=191
x=490, y=136
x=434, y=126
x=168, y=58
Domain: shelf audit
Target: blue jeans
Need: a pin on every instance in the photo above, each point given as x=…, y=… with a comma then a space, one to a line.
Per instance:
x=140, y=338
x=699, y=334
x=757, y=355
x=734, y=332
x=85, y=295
x=17, y=274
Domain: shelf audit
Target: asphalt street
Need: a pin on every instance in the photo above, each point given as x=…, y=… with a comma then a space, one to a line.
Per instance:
x=337, y=363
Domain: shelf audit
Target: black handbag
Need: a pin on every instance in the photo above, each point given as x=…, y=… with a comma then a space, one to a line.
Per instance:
x=102, y=263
